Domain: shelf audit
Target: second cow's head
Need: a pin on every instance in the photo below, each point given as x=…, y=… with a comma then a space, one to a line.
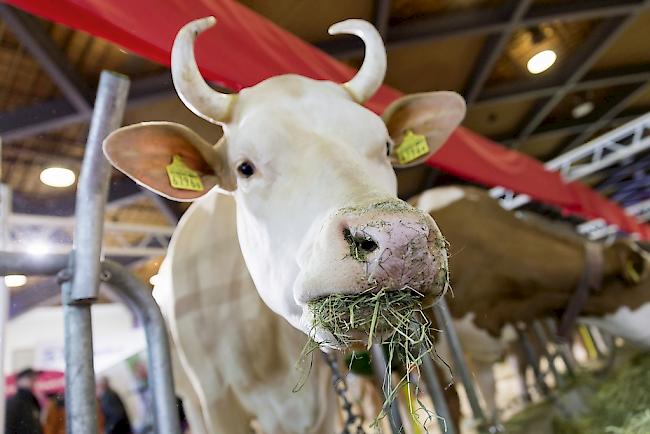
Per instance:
x=312, y=173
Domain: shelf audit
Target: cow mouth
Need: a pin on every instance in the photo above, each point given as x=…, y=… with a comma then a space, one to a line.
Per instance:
x=372, y=316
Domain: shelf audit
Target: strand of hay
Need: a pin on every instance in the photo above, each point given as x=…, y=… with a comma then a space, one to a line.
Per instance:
x=392, y=317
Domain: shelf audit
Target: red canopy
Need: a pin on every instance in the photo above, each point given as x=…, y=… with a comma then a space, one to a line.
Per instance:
x=245, y=48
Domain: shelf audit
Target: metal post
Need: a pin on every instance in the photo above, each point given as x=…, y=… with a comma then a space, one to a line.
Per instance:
x=443, y=317
x=540, y=335
x=437, y=396
x=5, y=210
x=79, y=293
x=533, y=359
x=380, y=368
x=161, y=381
x=563, y=348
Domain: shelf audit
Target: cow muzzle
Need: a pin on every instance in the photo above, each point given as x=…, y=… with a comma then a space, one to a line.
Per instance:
x=384, y=246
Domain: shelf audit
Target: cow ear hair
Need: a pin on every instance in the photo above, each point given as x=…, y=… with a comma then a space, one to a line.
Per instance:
x=143, y=151
x=434, y=115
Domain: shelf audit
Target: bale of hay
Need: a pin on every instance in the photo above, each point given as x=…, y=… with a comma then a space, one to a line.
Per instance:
x=616, y=404
x=620, y=404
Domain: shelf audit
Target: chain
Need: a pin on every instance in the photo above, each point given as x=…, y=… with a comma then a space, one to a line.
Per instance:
x=341, y=389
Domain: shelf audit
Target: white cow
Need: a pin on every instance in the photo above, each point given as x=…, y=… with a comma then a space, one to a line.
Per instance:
x=310, y=170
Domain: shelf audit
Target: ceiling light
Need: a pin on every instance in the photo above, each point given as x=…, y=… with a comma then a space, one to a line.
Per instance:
x=583, y=109
x=57, y=177
x=15, y=280
x=38, y=248
x=541, y=61
x=154, y=280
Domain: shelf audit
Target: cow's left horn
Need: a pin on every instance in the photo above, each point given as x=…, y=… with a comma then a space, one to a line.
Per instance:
x=192, y=89
x=371, y=75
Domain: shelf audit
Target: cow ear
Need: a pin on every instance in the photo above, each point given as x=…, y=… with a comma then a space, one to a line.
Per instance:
x=169, y=159
x=419, y=124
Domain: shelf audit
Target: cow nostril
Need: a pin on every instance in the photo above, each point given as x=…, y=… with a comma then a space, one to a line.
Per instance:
x=368, y=245
x=360, y=246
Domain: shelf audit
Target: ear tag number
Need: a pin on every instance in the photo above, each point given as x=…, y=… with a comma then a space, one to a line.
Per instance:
x=412, y=147
x=182, y=177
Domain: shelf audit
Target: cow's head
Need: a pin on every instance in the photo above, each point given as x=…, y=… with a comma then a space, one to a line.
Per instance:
x=312, y=173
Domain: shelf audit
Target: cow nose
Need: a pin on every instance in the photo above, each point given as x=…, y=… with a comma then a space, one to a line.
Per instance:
x=361, y=245
x=394, y=247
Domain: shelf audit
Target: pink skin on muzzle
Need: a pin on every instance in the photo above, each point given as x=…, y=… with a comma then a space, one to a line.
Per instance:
x=387, y=245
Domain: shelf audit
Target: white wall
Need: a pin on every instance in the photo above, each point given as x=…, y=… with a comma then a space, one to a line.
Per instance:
x=36, y=338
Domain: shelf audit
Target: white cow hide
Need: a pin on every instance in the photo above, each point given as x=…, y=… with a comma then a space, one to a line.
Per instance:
x=238, y=356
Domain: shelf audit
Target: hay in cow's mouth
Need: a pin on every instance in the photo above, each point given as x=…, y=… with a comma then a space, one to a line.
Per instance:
x=392, y=317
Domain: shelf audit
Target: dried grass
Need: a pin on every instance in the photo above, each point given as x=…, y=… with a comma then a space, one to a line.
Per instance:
x=392, y=317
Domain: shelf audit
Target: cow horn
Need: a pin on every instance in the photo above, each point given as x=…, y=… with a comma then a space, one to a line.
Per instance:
x=192, y=89
x=371, y=74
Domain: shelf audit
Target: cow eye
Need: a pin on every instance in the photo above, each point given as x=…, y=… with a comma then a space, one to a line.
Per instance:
x=246, y=169
x=388, y=146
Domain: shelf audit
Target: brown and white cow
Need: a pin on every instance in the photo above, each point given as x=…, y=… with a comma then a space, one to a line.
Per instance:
x=506, y=270
x=311, y=172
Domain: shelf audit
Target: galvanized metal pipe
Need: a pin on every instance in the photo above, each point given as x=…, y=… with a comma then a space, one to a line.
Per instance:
x=80, y=402
x=443, y=317
x=563, y=347
x=533, y=360
x=540, y=335
x=82, y=289
x=161, y=382
x=5, y=210
x=437, y=396
x=25, y=263
x=92, y=189
x=379, y=366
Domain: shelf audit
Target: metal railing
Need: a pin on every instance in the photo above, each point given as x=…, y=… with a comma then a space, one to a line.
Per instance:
x=80, y=274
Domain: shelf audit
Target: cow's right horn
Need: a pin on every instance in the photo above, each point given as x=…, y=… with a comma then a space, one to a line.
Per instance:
x=371, y=74
x=192, y=89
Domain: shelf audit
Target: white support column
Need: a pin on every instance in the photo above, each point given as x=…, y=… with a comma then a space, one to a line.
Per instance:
x=5, y=210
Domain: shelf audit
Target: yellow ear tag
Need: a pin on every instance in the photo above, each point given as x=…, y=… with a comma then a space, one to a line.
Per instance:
x=182, y=177
x=412, y=147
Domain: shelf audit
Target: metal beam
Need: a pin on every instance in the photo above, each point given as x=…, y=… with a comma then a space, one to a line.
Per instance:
x=575, y=68
x=120, y=188
x=606, y=117
x=493, y=48
x=547, y=86
x=34, y=38
x=56, y=114
x=480, y=22
x=381, y=16
x=574, y=126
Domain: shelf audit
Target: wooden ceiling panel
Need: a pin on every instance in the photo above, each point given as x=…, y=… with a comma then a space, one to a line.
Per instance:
x=497, y=119
x=310, y=19
x=439, y=65
x=22, y=80
x=632, y=47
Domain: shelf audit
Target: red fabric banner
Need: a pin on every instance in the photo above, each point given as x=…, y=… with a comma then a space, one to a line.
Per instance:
x=245, y=48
